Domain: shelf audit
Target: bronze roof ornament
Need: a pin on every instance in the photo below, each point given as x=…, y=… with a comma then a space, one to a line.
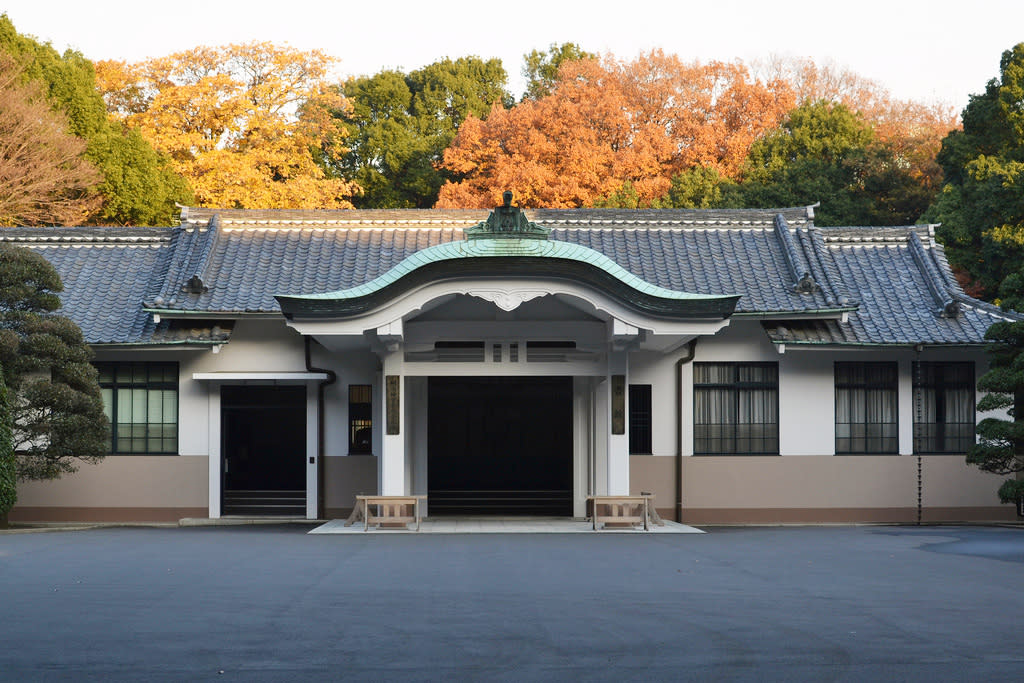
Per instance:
x=507, y=222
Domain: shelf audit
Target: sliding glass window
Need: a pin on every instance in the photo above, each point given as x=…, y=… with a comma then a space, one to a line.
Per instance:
x=866, y=408
x=736, y=408
x=141, y=402
x=944, y=411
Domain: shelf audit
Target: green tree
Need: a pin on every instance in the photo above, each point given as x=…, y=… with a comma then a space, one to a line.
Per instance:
x=825, y=152
x=1000, y=448
x=400, y=124
x=8, y=471
x=390, y=156
x=138, y=186
x=56, y=406
x=700, y=187
x=541, y=68
x=981, y=204
x=625, y=197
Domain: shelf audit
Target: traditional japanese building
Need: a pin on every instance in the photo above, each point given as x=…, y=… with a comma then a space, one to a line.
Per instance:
x=744, y=366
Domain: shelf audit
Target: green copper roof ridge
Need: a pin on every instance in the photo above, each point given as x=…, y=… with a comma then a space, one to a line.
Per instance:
x=506, y=247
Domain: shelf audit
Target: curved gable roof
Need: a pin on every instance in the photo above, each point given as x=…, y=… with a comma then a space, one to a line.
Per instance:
x=507, y=257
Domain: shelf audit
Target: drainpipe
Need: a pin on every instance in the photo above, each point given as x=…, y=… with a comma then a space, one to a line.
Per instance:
x=691, y=349
x=916, y=380
x=332, y=377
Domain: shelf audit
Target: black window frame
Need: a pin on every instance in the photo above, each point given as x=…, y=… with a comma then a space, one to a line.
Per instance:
x=886, y=435
x=735, y=389
x=144, y=376
x=935, y=375
x=640, y=420
x=360, y=417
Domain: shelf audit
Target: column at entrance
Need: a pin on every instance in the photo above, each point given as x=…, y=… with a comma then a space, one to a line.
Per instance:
x=391, y=476
x=617, y=386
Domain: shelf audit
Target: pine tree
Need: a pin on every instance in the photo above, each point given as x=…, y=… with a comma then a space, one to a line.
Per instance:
x=8, y=477
x=1001, y=445
x=56, y=406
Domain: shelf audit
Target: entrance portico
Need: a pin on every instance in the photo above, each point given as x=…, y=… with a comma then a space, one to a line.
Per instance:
x=505, y=303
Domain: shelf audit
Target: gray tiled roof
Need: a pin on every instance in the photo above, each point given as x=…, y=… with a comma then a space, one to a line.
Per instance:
x=230, y=262
x=107, y=273
x=746, y=261
x=898, y=304
x=256, y=257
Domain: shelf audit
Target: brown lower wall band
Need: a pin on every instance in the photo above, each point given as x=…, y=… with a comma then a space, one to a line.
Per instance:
x=843, y=515
x=111, y=514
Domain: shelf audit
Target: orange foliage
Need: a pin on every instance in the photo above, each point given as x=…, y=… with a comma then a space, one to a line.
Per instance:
x=609, y=122
x=238, y=121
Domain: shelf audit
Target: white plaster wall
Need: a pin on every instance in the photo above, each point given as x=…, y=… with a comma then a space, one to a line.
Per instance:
x=807, y=384
x=806, y=404
x=806, y=396
x=351, y=367
x=258, y=346
x=658, y=370
x=255, y=346
x=742, y=340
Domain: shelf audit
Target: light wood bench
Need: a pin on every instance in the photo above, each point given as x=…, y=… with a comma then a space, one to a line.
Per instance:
x=386, y=511
x=621, y=511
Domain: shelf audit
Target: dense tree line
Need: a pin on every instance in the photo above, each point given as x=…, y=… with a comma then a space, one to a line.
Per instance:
x=656, y=131
x=263, y=126
x=981, y=204
x=130, y=183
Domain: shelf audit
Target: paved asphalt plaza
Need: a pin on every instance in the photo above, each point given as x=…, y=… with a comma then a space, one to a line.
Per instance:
x=251, y=603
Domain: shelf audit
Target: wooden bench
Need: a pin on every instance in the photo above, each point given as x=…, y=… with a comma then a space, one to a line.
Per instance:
x=386, y=511
x=621, y=511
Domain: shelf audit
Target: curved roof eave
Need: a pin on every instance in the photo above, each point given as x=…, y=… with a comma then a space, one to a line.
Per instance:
x=509, y=258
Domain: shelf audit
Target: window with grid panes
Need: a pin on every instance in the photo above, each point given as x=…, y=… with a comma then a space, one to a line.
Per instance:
x=360, y=419
x=640, y=419
x=866, y=408
x=736, y=408
x=944, y=410
x=141, y=402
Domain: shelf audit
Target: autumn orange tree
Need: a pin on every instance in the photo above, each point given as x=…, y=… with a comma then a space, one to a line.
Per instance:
x=43, y=178
x=245, y=124
x=610, y=124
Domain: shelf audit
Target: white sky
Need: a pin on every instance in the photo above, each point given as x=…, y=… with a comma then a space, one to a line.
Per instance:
x=930, y=51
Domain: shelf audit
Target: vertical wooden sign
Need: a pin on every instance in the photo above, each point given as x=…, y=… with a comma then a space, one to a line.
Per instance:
x=393, y=388
x=618, y=404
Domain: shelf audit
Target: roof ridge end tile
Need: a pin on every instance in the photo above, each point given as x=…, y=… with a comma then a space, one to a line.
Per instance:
x=801, y=278
x=948, y=306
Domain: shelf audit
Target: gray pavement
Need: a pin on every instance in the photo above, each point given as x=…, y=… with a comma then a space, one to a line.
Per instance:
x=275, y=603
x=504, y=525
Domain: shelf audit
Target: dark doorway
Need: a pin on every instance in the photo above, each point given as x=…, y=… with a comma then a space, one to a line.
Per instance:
x=499, y=445
x=263, y=446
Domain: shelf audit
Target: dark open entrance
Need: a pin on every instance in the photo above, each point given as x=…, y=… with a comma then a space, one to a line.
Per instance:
x=263, y=445
x=500, y=445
